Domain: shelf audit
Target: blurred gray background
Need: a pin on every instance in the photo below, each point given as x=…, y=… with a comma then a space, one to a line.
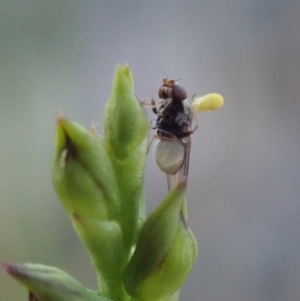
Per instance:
x=244, y=183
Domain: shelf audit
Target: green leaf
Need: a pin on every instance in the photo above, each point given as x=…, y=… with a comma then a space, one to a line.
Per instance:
x=50, y=284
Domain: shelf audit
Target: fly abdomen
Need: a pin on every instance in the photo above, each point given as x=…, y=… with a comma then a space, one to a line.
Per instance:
x=169, y=155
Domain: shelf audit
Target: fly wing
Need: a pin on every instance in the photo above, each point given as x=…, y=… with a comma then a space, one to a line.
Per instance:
x=181, y=176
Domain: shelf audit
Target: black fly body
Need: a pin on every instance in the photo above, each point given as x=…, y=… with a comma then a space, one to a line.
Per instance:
x=173, y=125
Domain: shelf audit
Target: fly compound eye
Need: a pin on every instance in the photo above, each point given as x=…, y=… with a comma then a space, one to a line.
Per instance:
x=169, y=155
x=164, y=92
x=178, y=93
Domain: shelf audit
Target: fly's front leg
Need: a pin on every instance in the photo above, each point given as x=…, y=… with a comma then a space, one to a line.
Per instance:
x=150, y=143
x=149, y=101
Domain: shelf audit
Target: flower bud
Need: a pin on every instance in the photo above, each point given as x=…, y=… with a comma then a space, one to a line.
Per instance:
x=126, y=123
x=45, y=283
x=83, y=175
x=126, y=128
x=165, y=252
x=208, y=102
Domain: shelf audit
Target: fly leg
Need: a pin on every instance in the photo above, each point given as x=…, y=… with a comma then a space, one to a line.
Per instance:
x=161, y=135
x=188, y=133
x=149, y=101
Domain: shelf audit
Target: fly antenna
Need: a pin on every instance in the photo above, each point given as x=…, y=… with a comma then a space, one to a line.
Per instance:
x=165, y=74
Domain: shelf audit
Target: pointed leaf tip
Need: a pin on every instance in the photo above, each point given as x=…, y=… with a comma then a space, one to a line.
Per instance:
x=46, y=283
x=60, y=117
x=6, y=266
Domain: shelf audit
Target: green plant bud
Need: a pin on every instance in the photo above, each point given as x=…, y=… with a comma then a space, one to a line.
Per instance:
x=83, y=175
x=126, y=124
x=84, y=179
x=174, y=268
x=165, y=252
x=45, y=283
x=126, y=128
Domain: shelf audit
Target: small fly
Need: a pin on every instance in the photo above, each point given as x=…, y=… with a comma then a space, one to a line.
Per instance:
x=173, y=125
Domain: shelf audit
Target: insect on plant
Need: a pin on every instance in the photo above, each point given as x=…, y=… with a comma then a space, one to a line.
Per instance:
x=174, y=128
